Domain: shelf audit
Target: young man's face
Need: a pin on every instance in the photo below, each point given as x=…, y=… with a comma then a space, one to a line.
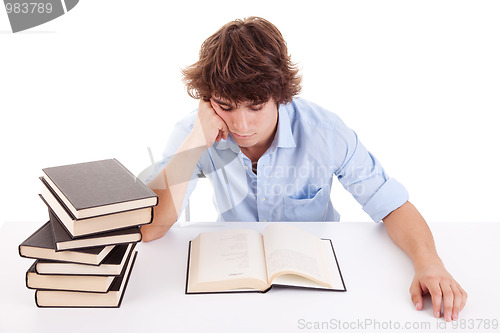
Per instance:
x=250, y=125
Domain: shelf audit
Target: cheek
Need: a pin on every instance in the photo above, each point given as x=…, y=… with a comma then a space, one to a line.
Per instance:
x=269, y=118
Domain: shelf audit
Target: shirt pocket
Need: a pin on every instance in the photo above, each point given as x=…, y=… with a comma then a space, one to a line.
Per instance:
x=306, y=206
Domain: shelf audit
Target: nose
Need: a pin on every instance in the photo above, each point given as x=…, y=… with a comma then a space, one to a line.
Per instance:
x=241, y=122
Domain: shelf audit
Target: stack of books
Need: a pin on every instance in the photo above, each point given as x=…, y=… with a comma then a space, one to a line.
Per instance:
x=85, y=252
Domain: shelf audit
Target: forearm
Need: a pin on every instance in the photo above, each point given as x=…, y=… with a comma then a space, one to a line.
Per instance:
x=171, y=185
x=408, y=229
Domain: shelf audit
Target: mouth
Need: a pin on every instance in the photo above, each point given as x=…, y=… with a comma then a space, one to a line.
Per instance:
x=241, y=136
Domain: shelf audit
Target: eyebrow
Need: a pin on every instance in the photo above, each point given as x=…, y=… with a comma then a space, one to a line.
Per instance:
x=227, y=104
x=221, y=102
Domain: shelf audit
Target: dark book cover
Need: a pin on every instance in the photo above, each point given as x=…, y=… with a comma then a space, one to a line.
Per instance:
x=62, y=238
x=64, y=209
x=43, y=239
x=115, y=258
x=98, y=183
x=119, y=285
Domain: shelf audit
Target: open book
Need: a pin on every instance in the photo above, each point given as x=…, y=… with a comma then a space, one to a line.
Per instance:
x=245, y=260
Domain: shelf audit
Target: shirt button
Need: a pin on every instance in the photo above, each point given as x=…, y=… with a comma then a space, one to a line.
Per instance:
x=246, y=168
x=264, y=220
x=263, y=199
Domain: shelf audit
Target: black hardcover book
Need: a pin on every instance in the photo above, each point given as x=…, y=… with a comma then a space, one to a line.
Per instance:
x=98, y=188
x=93, y=225
x=40, y=245
x=72, y=299
x=113, y=264
x=64, y=241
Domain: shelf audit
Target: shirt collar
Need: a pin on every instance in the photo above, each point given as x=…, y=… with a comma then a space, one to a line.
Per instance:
x=283, y=137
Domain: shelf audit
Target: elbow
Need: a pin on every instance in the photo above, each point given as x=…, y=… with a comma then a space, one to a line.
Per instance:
x=148, y=237
x=151, y=232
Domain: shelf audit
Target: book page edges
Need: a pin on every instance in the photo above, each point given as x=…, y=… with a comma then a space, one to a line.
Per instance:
x=193, y=286
x=95, y=284
x=294, y=279
x=111, y=299
x=109, y=240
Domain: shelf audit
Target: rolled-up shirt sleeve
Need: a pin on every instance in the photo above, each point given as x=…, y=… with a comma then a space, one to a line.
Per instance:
x=363, y=176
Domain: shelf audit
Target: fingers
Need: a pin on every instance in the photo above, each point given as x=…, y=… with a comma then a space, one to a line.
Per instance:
x=447, y=300
x=436, y=295
x=445, y=292
x=223, y=129
x=448, y=294
x=212, y=103
x=210, y=126
x=454, y=299
x=464, y=297
x=204, y=104
x=457, y=301
x=416, y=294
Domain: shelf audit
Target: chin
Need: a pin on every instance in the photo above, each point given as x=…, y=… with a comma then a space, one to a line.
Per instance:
x=244, y=144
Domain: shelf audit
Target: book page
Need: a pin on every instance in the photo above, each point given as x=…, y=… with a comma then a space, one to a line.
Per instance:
x=229, y=259
x=336, y=280
x=290, y=250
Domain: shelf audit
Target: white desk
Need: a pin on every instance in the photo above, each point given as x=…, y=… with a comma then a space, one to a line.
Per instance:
x=377, y=275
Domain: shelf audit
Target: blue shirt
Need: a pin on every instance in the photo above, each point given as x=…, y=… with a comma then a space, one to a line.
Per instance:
x=294, y=176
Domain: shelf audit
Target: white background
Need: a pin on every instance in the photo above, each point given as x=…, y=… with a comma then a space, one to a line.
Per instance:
x=417, y=80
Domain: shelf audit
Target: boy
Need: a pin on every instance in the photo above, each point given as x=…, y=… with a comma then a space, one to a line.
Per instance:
x=272, y=157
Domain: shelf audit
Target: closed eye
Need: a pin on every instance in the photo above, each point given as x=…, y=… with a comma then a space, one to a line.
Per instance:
x=225, y=108
x=256, y=108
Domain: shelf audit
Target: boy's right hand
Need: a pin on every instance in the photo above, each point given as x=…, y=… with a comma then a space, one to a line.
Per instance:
x=209, y=127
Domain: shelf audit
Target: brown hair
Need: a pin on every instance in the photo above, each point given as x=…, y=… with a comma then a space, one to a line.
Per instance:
x=245, y=60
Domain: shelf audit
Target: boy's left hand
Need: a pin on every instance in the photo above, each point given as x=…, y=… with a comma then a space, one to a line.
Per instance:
x=431, y=277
